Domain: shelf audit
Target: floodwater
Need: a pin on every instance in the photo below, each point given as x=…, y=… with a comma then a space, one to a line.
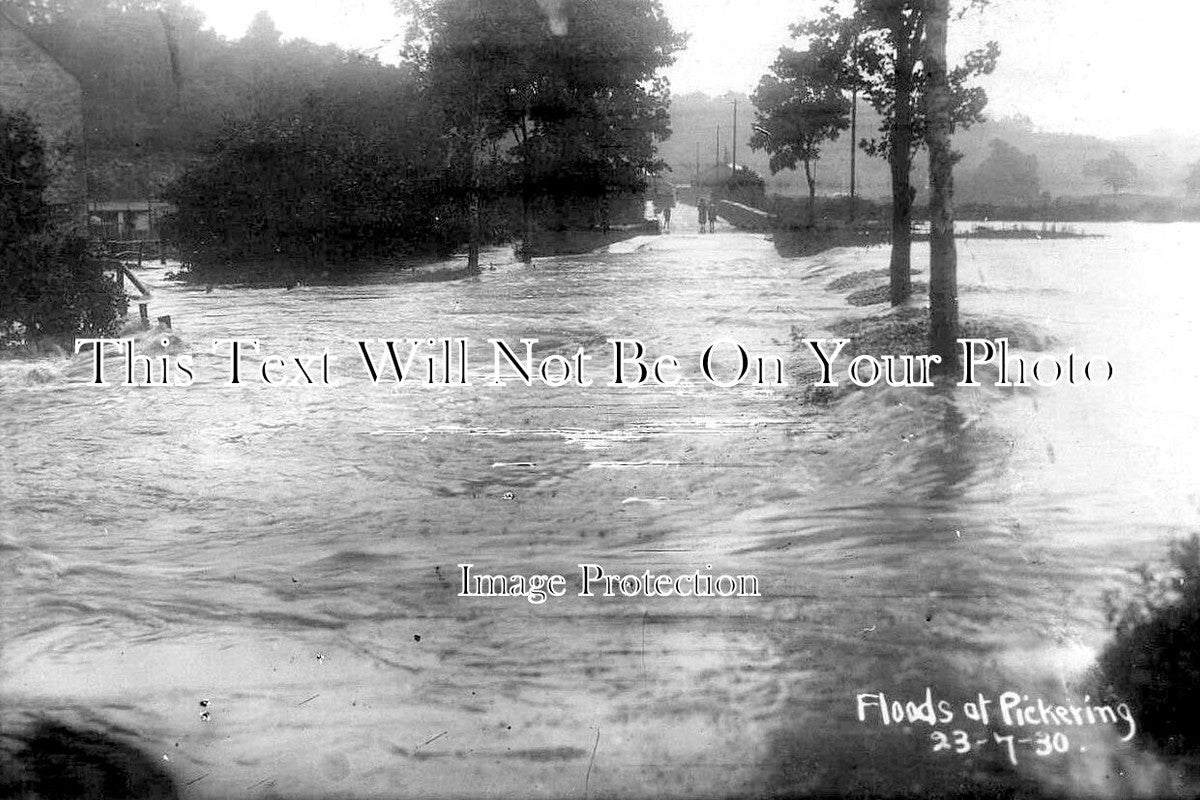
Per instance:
x=257, y=586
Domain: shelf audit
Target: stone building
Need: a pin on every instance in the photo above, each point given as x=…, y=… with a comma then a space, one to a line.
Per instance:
x=33, y=82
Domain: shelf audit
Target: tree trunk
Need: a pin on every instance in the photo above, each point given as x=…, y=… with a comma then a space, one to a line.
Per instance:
x=526, y=192
x=900, y=137
x=473, y=200
x=943, y=259
x=477, y=140
x=853, y=147
x=812, y=194
x=473, y=244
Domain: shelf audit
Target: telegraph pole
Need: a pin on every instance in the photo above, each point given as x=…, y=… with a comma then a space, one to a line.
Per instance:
x=734, y=137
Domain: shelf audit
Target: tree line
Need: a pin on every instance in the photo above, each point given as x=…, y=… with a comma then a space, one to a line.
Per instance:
x=52, y=284
x=500, y=119
x=893, y=53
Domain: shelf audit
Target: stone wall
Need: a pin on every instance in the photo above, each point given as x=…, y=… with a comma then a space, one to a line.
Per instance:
x=745, y=217
x=33, y=82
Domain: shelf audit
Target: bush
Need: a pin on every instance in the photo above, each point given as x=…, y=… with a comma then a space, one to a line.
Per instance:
x=23, y=178
x=310, y=191
x=52, y=285
x=1154, y=658
x=55, y=287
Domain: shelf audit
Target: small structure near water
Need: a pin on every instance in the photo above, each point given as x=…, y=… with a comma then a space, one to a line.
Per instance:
x=126, y=220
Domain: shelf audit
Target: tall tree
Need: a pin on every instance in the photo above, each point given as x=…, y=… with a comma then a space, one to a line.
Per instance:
x=1116, y=171
x=888, y=53
x=943, y=259
x=23, y=178
x=262, y=32
x=568, y=90
x=51, y=286
x=1008, y=175
x=888, y=50
x=800, y=106
x=833, y=41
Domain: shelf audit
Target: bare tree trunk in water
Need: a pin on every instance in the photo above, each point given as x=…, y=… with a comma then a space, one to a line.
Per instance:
x=902, y=192
x=943, y=258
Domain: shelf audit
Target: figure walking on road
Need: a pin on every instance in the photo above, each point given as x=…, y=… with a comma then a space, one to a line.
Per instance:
x=702, y=207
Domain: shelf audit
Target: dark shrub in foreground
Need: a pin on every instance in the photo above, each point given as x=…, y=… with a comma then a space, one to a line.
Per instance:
x=1153, y=661
x=51, y=286
x=55, y=287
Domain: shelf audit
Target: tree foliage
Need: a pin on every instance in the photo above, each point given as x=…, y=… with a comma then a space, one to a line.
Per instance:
x=571, y=98
x=881, y=47
x=1116, y=171
x=1008, y=175
x=1153, y=661
x=23, y=178
x=158, y=86
x=311, y=189
x=52, y=286
x=800, y=106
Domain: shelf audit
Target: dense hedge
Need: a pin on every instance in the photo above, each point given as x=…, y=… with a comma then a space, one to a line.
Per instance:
x=1153, y=661
x=308, y=192
x=50, y=285
x=53, y=286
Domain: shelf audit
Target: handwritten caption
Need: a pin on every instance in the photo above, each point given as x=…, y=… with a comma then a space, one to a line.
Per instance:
x=1038, y=726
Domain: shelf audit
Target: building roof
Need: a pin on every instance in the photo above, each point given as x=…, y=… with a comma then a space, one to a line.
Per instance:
x=19, y=28
x=129, y=205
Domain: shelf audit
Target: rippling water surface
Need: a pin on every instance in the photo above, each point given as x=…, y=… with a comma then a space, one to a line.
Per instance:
x=288, y=555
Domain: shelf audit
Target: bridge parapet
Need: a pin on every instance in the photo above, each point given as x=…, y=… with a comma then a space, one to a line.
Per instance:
x=745, y=217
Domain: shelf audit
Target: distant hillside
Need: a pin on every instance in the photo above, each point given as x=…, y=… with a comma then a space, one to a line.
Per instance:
x=1162, y=159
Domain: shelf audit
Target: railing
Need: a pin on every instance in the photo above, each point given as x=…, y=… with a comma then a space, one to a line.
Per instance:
x=134, y=249
x=144, y=295
x=745, y=217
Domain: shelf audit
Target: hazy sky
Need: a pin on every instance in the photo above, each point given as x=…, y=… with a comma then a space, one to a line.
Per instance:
x=1107, y=67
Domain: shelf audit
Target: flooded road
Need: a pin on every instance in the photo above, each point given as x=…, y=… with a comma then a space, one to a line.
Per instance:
x=258, y=585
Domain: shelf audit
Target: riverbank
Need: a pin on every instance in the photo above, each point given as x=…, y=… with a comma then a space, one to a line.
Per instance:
x=800, y=242
x=577, y=241
x=894, y=330
x=1021, y=230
